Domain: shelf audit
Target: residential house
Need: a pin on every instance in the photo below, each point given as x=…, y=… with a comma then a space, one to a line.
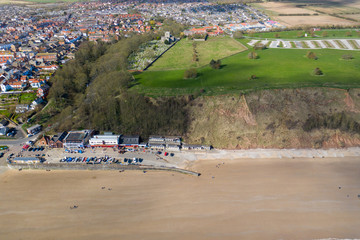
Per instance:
x=35, y=103
x=43, y=91
x=35, y=83
x=16, y=84
x=5, y=87
x=46, y=57
x=57, y=141
x=44, y=141
x=4, y=130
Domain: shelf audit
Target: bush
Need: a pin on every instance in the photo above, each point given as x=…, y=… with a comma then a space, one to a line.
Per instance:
x=259, y=46
x=318, y=72
x=252, y=77
x=347, y=57
x=253, y=55
x=215, y=64
x=190, y=73
x=311, y=55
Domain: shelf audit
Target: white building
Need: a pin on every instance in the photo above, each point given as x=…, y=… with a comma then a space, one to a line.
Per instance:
x=104, y=140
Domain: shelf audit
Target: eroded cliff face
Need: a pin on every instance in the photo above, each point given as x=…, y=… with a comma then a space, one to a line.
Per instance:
x=276, y=118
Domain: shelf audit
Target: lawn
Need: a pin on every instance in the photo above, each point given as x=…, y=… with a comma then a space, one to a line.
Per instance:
x=27, y=98
x=331, y=33
x=276, y=68
x=180, y=56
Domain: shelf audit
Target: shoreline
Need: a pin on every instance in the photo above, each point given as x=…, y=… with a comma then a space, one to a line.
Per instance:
x=191, y=158
x=261, y=153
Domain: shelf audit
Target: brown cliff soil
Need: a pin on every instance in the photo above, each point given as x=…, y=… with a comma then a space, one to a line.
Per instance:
x=273, y=119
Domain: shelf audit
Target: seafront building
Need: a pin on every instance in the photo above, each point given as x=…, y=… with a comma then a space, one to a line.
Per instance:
x=104, y=141
x=77, y=139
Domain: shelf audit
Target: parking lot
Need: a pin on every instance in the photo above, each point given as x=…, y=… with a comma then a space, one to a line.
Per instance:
x=103, y=156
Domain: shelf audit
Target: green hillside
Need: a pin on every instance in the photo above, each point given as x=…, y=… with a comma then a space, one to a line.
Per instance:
x=275, y=68
x=181, y=55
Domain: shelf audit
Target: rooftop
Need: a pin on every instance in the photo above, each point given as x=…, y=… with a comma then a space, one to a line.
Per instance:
x=76, y=136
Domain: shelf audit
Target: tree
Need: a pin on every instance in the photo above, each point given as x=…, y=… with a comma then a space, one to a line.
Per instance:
x=259, y=46
x=318, y=72
x=311, y=55
x=215, y=64
x=253, y=55
x=190, y=73
x=252, y=77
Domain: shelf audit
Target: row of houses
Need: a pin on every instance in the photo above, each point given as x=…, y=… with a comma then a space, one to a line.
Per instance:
x=85, y=138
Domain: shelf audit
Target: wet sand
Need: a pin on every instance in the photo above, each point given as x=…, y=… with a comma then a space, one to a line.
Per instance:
x=240, y=199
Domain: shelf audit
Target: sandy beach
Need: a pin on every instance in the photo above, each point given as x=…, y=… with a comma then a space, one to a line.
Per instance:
x=301, y=198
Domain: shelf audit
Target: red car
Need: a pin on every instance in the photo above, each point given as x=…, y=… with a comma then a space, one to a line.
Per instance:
x=25, y=147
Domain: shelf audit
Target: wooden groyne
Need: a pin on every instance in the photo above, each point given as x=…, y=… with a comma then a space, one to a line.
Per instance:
x=81, y=166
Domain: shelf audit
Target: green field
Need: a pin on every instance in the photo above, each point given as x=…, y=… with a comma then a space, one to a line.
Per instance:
x=275, y=68
x=180, y=56
x=296, y=34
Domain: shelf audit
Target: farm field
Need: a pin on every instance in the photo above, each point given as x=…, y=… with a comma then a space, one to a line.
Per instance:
x=319, y=12
x=181, y=55
x=283, y=8
x=324, y=20
x=275, y=68
x=353, y=16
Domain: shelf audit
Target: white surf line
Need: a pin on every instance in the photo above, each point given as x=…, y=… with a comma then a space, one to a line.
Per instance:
x=252, y=42
x=346, y=44
x=310, y=44
x=321, y=43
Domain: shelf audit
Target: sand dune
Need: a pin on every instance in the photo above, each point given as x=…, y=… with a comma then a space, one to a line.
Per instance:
x=240, y=199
